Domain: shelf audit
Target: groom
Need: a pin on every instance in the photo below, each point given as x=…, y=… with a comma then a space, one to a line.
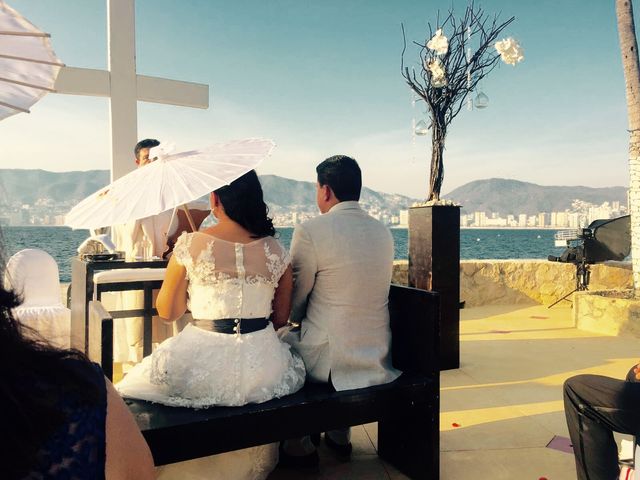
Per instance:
x=342, y=265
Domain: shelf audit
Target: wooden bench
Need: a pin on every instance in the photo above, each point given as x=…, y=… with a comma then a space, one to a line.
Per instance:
x=407, y=410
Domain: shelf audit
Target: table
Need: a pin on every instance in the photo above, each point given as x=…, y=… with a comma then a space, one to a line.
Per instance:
x=88, y=280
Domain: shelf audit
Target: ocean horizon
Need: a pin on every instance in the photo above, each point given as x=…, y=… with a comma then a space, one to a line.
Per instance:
x=475, y=243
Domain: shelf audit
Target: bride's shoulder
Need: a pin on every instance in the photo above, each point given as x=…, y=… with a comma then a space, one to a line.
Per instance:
x=275, y=250
x=273, y=243
x=184, y=237
x=182, y=248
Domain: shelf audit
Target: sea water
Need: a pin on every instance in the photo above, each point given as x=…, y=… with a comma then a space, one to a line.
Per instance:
x=62, y=242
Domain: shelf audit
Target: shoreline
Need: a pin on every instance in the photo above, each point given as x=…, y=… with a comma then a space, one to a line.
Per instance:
x=391, y=227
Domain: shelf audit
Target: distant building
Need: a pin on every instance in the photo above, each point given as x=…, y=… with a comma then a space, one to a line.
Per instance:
x=479, y=219
x=542, y=220
x=598, y=213
x=495, y=222
x=522, y=220
x=26, y=215
x=574, y=220
x=404, y=218
x=559, y=219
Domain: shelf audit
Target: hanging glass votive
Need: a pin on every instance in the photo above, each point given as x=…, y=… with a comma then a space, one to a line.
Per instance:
x=421, y=128
x=481, y=100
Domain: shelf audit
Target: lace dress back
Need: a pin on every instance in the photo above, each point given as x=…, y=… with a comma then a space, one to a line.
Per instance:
x=230, y=280
x=200, y=367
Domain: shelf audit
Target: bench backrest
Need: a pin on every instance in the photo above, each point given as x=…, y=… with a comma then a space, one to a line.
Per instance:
x=415, y=334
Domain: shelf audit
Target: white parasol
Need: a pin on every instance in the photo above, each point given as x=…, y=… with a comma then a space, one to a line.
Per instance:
x=168, y=182
x=28, y=65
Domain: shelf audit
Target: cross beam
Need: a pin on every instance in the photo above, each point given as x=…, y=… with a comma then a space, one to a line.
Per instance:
x=125, y=87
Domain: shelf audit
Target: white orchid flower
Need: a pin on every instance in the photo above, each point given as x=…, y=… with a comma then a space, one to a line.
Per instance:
x=510, y=51
x=438, y=73
x=439, y=43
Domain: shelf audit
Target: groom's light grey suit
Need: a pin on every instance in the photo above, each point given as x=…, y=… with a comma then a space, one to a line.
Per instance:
x=342, y=265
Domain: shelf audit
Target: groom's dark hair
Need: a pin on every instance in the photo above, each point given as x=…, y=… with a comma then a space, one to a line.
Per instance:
x=343, y=175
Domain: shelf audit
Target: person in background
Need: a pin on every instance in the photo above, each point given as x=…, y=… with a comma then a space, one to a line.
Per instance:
x=128, y=333
x=61, y=418
x=153, y=228
x=595, y=407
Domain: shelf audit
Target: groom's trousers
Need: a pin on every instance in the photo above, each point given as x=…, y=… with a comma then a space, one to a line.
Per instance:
x=595, y=407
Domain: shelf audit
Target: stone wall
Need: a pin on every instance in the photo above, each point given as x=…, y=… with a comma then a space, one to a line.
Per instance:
x=509, y=282
x=607, y=312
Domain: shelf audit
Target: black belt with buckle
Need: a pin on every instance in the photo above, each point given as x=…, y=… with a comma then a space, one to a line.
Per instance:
x=239, y=325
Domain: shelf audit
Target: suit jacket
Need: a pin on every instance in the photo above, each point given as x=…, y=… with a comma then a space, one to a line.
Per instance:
x=342, y=265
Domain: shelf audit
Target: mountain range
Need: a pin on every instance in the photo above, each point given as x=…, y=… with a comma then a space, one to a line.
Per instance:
x=504, y=196
x=281, y=194
x=497, y=195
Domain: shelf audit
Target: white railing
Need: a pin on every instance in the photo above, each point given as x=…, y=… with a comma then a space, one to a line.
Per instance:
x=561, y=237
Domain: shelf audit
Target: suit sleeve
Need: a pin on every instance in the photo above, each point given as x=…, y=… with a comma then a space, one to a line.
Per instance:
x=305, y=266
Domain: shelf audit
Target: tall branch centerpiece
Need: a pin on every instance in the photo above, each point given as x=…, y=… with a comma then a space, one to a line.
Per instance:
x=453, y=60
x=457, y=54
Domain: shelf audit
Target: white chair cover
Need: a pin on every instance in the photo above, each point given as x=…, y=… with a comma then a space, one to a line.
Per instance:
x=33, y=274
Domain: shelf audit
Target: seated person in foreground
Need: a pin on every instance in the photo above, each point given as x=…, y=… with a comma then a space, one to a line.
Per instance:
x=595, y=407
x=342, y=265
x=236, y=280
x=60, y=417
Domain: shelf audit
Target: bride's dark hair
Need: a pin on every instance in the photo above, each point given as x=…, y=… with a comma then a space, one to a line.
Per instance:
x=34, y=378
x=243, y=203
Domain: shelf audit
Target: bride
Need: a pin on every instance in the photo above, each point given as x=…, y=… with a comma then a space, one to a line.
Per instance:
x=236, y=279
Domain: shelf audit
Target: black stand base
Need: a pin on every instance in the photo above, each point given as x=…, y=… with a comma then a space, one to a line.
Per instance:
x=583, y=274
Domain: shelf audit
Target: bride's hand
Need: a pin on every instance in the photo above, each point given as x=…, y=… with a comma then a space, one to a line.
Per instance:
x=282, y=299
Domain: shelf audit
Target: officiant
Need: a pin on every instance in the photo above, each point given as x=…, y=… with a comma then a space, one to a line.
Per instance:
x=147, y=237
x=131, y=238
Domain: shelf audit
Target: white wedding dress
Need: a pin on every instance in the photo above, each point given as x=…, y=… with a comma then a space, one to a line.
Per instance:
x=200, y=367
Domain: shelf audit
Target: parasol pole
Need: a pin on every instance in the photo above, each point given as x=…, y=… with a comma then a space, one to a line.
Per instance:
x=173, y=216
x=188, y=214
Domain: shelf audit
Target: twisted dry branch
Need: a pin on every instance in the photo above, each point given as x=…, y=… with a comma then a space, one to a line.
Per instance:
x=463, y=75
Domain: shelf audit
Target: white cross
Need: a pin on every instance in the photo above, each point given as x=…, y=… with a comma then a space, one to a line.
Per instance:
x=125, y=88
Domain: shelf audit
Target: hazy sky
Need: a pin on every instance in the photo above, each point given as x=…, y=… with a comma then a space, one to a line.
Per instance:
x=323, y=77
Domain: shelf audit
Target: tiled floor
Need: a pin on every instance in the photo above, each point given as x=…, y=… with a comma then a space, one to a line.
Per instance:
x=504, y=404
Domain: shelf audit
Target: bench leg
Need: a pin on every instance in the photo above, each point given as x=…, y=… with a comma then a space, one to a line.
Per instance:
x=148, y=323
x=101, y=338
x=408, y=438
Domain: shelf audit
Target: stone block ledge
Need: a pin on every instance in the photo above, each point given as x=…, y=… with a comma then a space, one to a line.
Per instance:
x=608, y=312
x=525, y=282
